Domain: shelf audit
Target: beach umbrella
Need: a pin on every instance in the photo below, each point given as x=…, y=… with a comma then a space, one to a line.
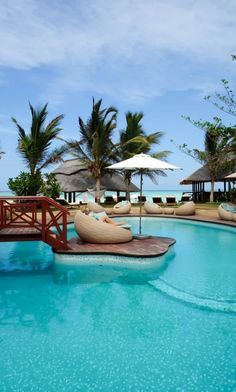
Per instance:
x=141, y=163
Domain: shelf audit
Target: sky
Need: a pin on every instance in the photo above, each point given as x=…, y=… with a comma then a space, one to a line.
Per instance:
x=161, y=57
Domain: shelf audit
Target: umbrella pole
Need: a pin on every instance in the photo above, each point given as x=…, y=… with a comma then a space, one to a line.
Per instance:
x=140, y=203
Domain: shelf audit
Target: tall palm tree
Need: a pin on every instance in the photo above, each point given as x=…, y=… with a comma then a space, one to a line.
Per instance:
x=219, y=148
x=34, y=146
x=134, y=140
x=95, y=147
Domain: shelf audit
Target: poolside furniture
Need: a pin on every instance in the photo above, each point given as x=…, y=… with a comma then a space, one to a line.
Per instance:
x=227, y=211
x=65, y=203
x=185, y=198
x=157, y=199
x=186, y=209
x=123, y=207
x=170, y=200
x=95, y=207
x=168, y=211
x=152, y=208
x=121, y=198
x=109, y=200
x=96, y=232
x=143, y=199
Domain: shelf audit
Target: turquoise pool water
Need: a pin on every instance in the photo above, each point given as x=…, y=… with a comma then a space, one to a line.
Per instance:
x=169, y=329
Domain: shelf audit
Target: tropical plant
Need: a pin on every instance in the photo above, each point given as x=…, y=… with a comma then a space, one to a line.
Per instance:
x=34, y=146
x=95, y=148
x=26, y=184
x=134, y=140
x=220, y=148
x=50, y=186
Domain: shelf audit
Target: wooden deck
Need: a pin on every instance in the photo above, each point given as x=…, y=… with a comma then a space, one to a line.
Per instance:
x=20, y=234
x=148, y=247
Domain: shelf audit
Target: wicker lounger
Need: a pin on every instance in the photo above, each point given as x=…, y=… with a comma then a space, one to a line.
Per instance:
x=96, y=232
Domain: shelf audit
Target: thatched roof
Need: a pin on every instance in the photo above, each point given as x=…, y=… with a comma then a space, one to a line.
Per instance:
x=73, y=177
x=203, y=175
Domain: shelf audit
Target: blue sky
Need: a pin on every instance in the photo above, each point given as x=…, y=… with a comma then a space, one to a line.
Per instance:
x=158, y=57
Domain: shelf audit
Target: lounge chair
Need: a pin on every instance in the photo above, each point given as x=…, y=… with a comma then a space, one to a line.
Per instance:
x=170, y=200
x=227, y=211
x=95, y=207
x=157, y=199
x=65, y=203
x=121, y=198
x=96, y=232
x=186, y=209
x=123, y=207
x=152, y=208
x=143, y=199
x=185, y=198
x=109, y=200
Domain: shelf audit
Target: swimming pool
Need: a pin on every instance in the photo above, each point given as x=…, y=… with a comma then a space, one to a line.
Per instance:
x=172, y=329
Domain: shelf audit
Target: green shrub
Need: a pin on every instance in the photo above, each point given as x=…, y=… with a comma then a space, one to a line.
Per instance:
x=50, y=186
x=25, y=184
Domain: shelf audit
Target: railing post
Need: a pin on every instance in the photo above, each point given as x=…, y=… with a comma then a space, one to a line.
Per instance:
x=44, y=219
x=1, y=214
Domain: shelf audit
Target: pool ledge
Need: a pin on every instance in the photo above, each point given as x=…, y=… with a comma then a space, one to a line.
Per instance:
x=148, y=247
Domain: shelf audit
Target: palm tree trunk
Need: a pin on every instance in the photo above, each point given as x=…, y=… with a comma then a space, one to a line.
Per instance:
x=212, y=190
x=98, y=189
x=127, y=182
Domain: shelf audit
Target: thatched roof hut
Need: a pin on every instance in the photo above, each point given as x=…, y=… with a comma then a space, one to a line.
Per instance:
x=200, y=177
x=74, y=177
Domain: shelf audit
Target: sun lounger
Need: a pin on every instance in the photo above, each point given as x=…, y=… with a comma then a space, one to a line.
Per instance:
x=109, y=200
x=170, y=200
x=143, y=199
x=65, y=203
x=157, y=199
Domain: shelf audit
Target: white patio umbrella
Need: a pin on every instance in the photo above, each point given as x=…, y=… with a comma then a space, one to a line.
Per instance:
x=141, y=163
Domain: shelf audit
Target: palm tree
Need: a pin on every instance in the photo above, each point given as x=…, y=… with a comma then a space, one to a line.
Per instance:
x=95, y=147
x=34, y=146
x=134, y=140
x=219, y=148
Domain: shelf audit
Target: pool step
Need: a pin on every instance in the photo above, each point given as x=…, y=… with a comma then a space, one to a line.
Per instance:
x=201, y=302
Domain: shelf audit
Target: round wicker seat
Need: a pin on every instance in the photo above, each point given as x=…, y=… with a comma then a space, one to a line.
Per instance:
x=186, y=209
x=152, y=208
x=226, y=213
x=96, y=232
x=95, y=207
x=123, y=207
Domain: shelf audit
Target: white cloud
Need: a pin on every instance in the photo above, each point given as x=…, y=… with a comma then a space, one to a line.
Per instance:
x=129, y=48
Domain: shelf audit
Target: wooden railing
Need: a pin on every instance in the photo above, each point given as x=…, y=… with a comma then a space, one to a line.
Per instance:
x=36, y=212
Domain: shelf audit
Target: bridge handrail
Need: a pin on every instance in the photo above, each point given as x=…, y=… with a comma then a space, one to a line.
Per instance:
x=36, y=198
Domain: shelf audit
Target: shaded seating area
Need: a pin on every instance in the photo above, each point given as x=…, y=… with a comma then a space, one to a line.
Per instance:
x=124, y=207
x=94, y=231
x=227, y=212
x=152, y=208
x=186, y=209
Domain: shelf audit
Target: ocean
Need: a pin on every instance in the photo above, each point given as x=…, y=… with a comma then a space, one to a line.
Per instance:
x=86, y=196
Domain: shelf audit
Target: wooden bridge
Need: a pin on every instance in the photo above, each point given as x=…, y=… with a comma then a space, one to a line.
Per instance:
x=33, y=218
